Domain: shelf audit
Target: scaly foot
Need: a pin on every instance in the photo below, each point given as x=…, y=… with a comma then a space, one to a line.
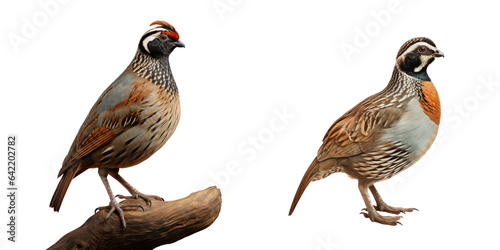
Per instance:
x=393, y=210
x=115, y=206
x=147, y=198
x=383, y=207
x=376, y=217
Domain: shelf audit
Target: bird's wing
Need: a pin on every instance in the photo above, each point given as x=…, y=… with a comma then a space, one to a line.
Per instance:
x=116, y=110
x=357, y=130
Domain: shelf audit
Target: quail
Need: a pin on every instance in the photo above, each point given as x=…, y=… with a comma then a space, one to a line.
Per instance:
x=384, y=134
x=131, y=120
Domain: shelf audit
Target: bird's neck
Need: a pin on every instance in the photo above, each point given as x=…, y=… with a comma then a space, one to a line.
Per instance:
x=402, y=86
x=157, y=70
x=422, y=74
x=401, y=82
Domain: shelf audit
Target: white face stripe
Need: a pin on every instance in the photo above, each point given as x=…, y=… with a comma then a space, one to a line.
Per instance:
x=424, y=60
x=416, y=45
x=152, y=36
x=149, y=39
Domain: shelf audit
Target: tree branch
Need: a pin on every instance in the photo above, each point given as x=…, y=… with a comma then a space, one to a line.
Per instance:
x=163, y=223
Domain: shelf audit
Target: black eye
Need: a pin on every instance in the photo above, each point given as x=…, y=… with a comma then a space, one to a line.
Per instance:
x=163, y=37
x=422, y=49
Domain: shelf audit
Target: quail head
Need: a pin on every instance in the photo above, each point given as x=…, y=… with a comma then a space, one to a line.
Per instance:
x=130, y=121
x=384, y=134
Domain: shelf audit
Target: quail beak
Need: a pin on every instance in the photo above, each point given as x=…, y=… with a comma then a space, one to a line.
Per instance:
x=178, y=44
x=438, y=54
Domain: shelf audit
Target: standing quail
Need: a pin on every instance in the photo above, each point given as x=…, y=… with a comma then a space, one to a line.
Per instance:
x=130, y=121
x=384, y=134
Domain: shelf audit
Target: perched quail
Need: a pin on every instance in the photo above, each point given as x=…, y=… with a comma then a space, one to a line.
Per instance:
x=130, y=121
x=384, y=134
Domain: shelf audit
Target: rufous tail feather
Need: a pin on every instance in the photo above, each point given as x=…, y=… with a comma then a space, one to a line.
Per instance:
x=313, y=168
x=62, y=187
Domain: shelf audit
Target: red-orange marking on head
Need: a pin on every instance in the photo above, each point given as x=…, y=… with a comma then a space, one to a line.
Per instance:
x=172, y=34
x=430, y=101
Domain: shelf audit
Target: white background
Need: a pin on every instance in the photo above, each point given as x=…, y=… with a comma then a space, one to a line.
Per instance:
x=240, y=66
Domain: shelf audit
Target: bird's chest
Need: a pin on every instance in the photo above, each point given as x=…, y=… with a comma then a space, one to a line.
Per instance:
x=418, y=126
x=162, y=116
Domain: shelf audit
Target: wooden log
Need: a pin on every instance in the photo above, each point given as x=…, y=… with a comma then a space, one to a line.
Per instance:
x=163, y=223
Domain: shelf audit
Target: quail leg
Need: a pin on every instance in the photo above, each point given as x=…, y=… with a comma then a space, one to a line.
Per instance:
x=383, y=207
x=113, y=205
x=372, y=214
x=134, y=192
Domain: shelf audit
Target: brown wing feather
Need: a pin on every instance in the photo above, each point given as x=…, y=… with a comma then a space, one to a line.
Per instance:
x=98, y=137
x=100, y=128
x=110, y=116
x=355, y=132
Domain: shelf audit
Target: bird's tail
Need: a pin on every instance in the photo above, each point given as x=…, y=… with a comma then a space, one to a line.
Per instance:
x=308, y=176
x=62, y=187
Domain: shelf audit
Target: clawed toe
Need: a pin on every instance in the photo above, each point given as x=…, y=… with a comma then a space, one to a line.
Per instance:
x=147, y=198
x=386, y=220
x=114, y=206
x=97, y=209
x=394, y=210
